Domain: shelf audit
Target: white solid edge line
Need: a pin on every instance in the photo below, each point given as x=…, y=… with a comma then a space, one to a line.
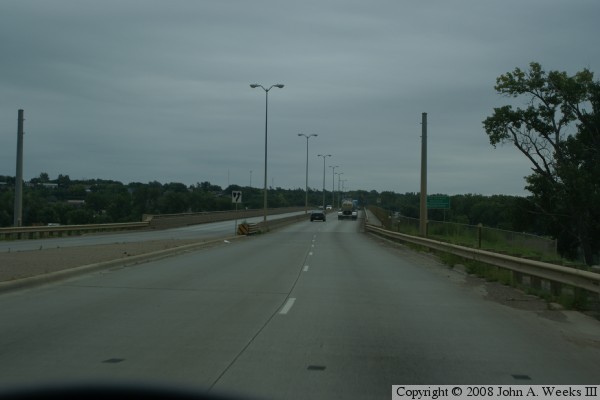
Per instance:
x=287, y=306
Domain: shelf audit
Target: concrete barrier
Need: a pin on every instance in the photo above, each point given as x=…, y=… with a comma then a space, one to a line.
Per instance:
x=160, y=221
x=166, y=221
x=40, y=232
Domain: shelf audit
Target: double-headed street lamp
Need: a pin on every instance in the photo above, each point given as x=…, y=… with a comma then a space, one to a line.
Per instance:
x=324, y=157
x=343, y=186
x=254, y=86
x=339, y=174
x=333, y=184
x=306, y=186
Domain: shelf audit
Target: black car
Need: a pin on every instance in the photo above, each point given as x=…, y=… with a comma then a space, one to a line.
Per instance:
x=317, y=215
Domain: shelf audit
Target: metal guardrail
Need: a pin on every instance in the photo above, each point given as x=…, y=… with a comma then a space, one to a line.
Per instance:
x=35, y=232
x=587, y=280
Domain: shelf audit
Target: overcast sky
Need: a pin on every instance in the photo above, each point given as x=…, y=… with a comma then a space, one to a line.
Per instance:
x=138, y=91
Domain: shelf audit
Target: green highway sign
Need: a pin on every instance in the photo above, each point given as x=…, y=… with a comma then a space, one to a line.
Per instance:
x=438, y=201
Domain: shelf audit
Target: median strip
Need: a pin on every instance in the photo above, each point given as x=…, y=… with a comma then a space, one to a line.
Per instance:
x=123, y=261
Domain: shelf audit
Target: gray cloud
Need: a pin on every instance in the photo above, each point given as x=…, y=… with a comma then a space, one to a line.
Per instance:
x=154, y=90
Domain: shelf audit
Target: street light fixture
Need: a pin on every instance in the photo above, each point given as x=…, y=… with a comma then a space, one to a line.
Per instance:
x=306, y=186
x=333, y=184
x=254, y=86
x=324, y=157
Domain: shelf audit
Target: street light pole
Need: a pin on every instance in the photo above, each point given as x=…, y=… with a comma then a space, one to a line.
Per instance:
x=423, y=199
x=254, y=86
x=333, y=184
x=306, y=186
x=339, y=174
x=18, y=206
x=324, y=157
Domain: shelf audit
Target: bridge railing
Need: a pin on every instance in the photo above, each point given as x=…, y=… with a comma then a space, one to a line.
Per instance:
x=535, y=271
x=159, y=221
x=39, y=232
x=165, y=221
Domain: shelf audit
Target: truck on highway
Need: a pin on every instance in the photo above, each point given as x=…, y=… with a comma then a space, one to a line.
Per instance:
x=348, y=209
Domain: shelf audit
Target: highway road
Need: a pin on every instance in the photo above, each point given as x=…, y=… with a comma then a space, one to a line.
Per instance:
x=314, y=310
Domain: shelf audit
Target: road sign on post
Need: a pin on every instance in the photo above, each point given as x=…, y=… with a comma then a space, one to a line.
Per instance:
x=441, y=202
x=236, y=198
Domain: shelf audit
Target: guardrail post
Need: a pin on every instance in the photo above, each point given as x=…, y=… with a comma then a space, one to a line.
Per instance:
x=517, y=277
x=555, y=288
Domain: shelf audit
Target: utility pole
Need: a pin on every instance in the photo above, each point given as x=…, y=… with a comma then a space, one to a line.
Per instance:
x=423, y=205
x=18, y=214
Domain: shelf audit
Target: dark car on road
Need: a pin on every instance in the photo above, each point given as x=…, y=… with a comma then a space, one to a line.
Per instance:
x=317, y=215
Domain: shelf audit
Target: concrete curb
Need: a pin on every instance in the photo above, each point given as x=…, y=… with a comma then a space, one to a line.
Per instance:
x=24, y=283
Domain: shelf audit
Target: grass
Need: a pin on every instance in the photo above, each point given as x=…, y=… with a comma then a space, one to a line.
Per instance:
x=467, y=236
x=571, y=298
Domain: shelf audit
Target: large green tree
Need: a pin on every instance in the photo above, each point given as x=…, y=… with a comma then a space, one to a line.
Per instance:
x=557, y=130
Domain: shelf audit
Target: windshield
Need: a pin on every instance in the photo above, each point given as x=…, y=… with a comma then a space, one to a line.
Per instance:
x=198, y=188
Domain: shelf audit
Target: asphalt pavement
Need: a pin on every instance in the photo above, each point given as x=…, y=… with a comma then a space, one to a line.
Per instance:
x=314, y=310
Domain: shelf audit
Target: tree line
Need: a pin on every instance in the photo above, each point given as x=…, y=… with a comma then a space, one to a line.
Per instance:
x=67, y=202
x=96, y=201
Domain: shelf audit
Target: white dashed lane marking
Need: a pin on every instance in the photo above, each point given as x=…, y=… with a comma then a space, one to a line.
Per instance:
x=287, y=306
